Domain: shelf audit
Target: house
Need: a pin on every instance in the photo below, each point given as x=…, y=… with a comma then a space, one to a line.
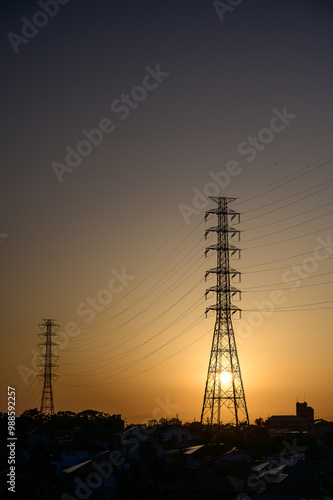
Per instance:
x=95, y=477
x=204, y=458
x=235, y=455
x=133, y=440
x=72, y=452
x=44, y=435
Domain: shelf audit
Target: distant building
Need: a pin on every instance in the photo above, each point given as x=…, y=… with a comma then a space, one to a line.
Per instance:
x=305, y=412
x=302, y=421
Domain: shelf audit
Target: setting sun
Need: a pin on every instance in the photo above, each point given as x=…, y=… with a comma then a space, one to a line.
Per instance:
x=225, y=377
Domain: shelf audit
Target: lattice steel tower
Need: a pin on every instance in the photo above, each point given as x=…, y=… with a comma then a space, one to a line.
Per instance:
x=48, y=337
x=224, y=386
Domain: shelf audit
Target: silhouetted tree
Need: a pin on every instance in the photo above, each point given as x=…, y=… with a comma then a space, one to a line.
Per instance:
x=32, y=418
x=64, y=420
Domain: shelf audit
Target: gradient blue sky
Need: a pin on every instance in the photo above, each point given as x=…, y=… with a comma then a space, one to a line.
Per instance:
x=120, y=208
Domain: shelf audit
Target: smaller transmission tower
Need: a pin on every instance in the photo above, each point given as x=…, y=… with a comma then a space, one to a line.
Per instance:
x=224, y=390
x=48, y=337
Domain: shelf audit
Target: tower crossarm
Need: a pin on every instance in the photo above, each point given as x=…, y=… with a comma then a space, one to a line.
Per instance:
x=51, y=323
x=52, y=376
x=234, y=216
x=224, y=248
x=229, y=271
x=50, y=342
x=223, y=229
x=218, y=199
x=224, y=308
x=49, y=358
x=224, y=289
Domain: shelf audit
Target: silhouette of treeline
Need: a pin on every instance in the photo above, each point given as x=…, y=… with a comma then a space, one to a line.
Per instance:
x=32, y=418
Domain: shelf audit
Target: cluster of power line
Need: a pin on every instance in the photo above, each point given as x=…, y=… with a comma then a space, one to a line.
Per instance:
x=170, y=285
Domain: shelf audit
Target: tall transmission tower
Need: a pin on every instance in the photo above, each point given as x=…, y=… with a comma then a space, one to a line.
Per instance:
x=48, y=337
x=224, y=386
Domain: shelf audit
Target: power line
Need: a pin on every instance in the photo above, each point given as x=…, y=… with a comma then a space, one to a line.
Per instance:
x=285, y=288
x=289, y=239
x=147, y=369
x=119, y=356
x=298, y=279
x=284, y=158
x=277, y=268
x=283, y=259
x=326, y=186
x=289, y=181
x=145, y=310
x=287, y=218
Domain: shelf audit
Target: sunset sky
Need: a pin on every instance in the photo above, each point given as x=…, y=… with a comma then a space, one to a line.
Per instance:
x=174, y=101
